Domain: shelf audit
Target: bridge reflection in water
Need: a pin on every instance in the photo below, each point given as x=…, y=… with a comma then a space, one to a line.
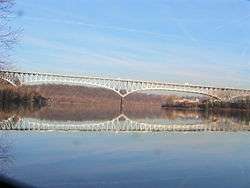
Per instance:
x=121, y=123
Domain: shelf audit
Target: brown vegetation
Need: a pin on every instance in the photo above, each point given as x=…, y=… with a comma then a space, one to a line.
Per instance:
x=21, y=97
x=174, y=101
x=96, y=98
x=240, y=104
x=77, y=102
x=206, y=104
x=82, y=103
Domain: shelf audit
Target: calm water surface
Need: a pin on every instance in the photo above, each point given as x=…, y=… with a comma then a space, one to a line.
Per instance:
x=56, y=158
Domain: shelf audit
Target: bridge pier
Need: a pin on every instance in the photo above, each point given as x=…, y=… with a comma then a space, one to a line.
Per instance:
x=121, y=105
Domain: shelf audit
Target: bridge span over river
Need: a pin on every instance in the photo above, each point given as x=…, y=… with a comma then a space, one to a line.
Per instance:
x=122, y=87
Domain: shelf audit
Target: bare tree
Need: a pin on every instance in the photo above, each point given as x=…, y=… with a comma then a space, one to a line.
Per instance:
x=8, y=35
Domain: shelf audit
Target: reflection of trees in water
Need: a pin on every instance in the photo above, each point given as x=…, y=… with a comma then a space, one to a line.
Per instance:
x=13, y=110
x=76, y=112
x=81, y=113
x=6, y=159
x=182, y=114
x=242, y=117
x=153, y=115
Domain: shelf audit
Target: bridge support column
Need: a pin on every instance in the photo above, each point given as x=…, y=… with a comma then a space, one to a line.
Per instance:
x=121, y=105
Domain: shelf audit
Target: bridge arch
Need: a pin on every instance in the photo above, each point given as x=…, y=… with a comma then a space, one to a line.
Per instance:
x=86, y=84
x=9, y=81
x=39, y=82
x=116, y=85
x=239, y=96
x=175, y=90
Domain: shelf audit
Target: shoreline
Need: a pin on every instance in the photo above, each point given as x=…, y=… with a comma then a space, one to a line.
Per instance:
x=43, y=95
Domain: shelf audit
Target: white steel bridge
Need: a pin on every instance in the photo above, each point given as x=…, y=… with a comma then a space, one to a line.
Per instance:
x=122, y=87
x=119, y=124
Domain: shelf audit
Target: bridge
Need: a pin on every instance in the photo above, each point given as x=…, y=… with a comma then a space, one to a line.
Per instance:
x=122, y=87
x=119, y=124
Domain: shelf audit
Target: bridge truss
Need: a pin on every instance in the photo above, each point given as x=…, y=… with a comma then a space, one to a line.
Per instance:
x=122, y=87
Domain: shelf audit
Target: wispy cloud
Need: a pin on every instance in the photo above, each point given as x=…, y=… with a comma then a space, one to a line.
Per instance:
x=172, y=43
x=107, y=27
x=239, y=21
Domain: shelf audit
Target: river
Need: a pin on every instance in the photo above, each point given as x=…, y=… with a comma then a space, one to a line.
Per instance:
x=172, y=148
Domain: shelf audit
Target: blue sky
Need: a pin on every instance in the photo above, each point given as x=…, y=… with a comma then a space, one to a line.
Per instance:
x=200, y=42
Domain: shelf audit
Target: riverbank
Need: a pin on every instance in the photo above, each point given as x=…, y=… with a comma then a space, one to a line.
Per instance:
x=23, y=97
x=98, y=98
x=195, y=103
